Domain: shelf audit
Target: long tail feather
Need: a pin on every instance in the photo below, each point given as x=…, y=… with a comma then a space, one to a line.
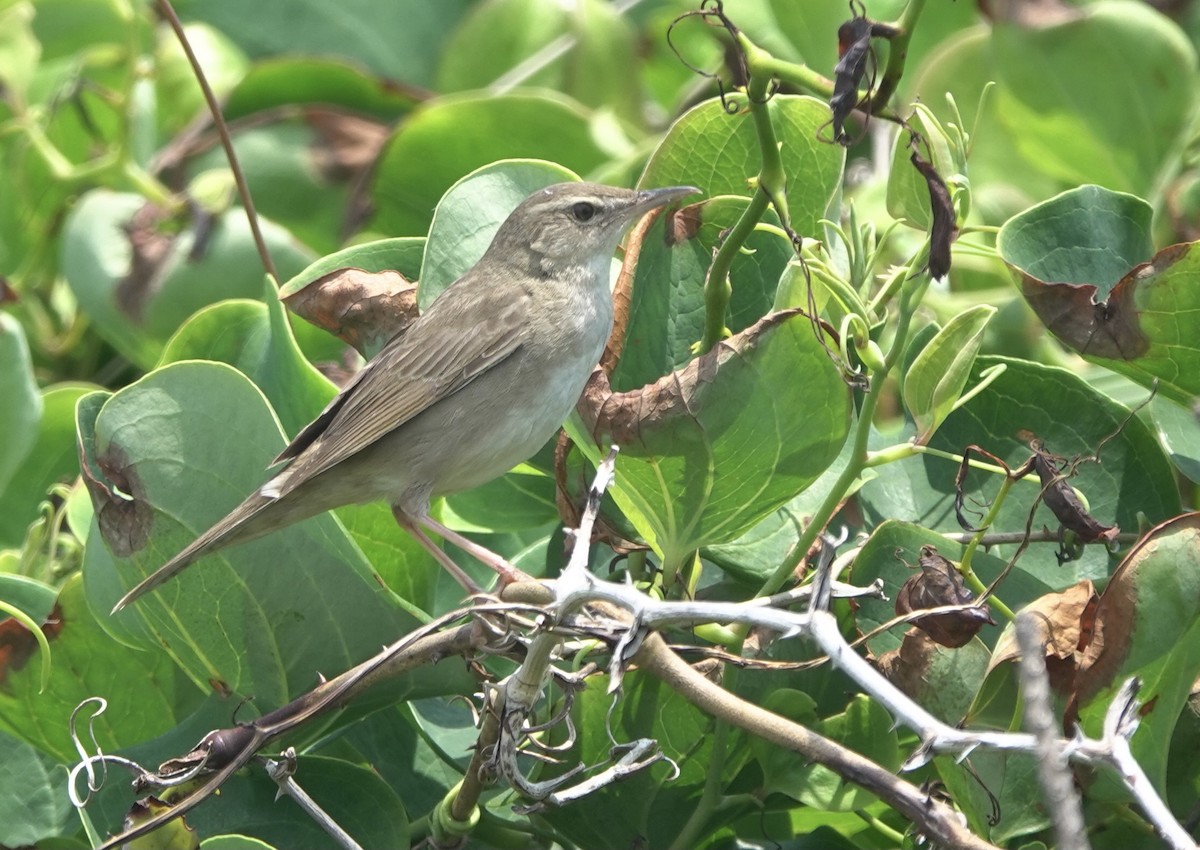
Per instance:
x=256, y=516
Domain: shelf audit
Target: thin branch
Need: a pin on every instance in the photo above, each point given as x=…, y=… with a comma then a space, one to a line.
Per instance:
x=1062, y=802
x=214, y=107
x=281, y=771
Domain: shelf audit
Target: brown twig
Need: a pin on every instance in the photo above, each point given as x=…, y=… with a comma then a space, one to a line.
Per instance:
x=214, y=107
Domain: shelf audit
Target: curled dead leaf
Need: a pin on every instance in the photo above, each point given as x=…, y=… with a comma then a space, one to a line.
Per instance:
x=1066, y=629
x=1063, y=501
x=1106, y=328
x=364, y=309
x=940, y=583
x=633, y=419
x=944, y=230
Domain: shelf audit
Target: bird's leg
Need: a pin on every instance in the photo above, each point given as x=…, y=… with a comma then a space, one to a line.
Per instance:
x=503, y=568
x=439, y=555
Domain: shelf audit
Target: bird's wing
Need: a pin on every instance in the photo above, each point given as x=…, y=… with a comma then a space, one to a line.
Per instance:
x=413, y=372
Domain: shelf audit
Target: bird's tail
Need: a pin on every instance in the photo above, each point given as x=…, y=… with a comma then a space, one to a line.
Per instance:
x=256, y=516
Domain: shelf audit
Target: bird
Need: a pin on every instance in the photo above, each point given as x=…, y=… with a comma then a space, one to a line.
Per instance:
x=477, y=384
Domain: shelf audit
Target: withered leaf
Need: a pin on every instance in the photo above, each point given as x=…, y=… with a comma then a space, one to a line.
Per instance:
x=632, y=419
x=939, y=583
x=1126, y=597
x=1062, y=499
x=346, y=145
x=364, y=309
x=150, y=246
x=17, y=643
x=943, y=231
x=855, y=57
x=124, y=517
x=1065, y=622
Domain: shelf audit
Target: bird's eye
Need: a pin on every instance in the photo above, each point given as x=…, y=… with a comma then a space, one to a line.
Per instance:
x=583, y=211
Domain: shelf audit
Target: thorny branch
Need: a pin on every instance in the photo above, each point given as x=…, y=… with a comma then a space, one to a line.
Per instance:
x=579, y=603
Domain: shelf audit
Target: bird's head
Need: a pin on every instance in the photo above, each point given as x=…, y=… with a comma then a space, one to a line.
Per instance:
x=574, y=225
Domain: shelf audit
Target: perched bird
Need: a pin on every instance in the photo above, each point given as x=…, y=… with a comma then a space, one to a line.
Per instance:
x=475, y=386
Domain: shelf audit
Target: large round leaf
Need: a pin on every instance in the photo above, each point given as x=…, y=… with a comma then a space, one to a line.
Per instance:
x=168, y=456
x=1067, y=88
x=1085, y=263
x=1071, y=418
x=718, y=153
x=711, y=449
x=667, y=308
x=470, y=213
x=445, y=139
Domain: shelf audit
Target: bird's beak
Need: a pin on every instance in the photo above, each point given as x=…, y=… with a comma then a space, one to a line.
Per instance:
x=649, y=199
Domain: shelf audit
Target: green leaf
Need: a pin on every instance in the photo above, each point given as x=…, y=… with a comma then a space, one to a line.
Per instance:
x=600, y=70
x=740, y=407
x=754, y=556
x=261, y=345
x=294, y=167
x=418, y=755
x=354, y=796
x=470, y=213
x=32, y=597
x=667, y=307
x=451, y=136
x=51, y=459
x=22, y=408
x=1149, y=616
x=1085, y=266
x=1179, y=433
x=935, y=381
x=996, y=780
x=1089, y=235
x=137, y=317
x=718, y=153
x=87, y=663
x=520, y=499
x=1072, y=418
x=33, y=795
x=395, y=41
x=865, y=727
x=288, y=80
x=257, y=618
x=403, y=255
x=1067, y=87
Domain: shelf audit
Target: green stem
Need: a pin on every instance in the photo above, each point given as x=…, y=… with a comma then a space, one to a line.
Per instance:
x=806, y=78
x=898, y=51
x=710, y=796
x=965, y=568
x=771, y=183
x=717, y=289
x=893, y=836
x=858, y=457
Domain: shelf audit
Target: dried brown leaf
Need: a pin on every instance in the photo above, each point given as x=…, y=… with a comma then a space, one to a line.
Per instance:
x=631, y=419
x=364, y=309
x=940, y=583
x=1065, y=622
